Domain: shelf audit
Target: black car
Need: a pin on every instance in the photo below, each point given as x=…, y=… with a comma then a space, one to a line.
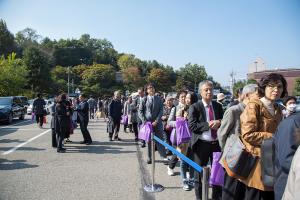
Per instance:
x=24, y=102
x=11, y=107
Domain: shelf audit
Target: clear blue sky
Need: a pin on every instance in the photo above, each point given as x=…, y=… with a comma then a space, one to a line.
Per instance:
x=222, y=35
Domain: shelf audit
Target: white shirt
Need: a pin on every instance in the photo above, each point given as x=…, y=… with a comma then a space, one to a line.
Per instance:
x=206, y=135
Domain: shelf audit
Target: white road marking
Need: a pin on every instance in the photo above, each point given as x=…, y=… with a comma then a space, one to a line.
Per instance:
x=14, y=124
x=24, y=143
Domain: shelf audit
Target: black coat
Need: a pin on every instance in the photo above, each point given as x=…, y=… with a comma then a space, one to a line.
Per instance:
x=197, y=119
x=62, y=125
x=38, y=106
x=285, y=148
x=83, y=111
x=115, y=110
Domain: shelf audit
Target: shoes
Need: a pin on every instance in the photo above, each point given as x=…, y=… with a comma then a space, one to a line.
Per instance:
x=170, y=171
x=62, y=150
x=82, y=142
x=88, y=143
x=68, y=140
x=149, y=161
x=110, y=139
x=136, y=139
x=117, y=138
x=185, y=185
x=191, y=182
x=143, y=145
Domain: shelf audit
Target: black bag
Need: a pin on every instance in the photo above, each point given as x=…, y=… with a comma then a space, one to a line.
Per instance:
x=238, y=161
x=268, y=162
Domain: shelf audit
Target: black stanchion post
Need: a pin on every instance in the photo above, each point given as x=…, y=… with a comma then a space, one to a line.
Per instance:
x=153, y=187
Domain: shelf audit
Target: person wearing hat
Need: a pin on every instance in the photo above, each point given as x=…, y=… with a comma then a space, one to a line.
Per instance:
x=220, y=100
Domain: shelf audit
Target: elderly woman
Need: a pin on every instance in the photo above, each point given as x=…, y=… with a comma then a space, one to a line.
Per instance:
x=259, y=122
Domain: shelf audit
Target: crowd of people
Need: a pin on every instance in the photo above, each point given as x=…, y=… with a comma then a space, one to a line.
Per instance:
x=254, y=119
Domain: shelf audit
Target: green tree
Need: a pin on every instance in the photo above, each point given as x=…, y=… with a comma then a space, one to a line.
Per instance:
x=128, y=60
x=191, y=75
x=97, y=79
x=7, y=43
x=59, y=76
x=27, y=37
x=161, y=79
x=12, y=76
x=132, y=78
x=38, y=66
x=296, y=91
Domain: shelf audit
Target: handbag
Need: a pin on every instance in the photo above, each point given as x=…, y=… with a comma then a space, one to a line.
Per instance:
x=217, y=171
x=146, y=131
x=124, y=120
x=238, y=162
x=268, y=162
x=181, y=134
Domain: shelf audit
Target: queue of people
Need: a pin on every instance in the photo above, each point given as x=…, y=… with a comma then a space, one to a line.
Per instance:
x=253, y=119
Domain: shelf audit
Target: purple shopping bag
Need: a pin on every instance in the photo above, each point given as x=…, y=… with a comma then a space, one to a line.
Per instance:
x=145, y=131
x=124, y=119
x=217, y=171
x=32, y=116
x=173, y=137
x=183, y=134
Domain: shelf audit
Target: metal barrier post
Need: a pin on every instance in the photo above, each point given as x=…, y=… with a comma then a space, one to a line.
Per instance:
x=205, y=184
x=153, y=187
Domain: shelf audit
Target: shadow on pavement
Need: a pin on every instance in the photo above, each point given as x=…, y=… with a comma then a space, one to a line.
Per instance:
x=6, y=131
x=10, y=141
x=97, y=149
x=14, y=164
x=22, y=149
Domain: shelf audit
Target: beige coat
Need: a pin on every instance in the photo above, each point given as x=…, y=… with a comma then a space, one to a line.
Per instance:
x=257, y=124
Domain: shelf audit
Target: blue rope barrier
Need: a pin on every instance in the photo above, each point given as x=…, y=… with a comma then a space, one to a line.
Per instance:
x=183, y=157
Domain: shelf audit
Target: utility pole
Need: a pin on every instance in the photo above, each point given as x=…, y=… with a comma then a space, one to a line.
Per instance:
x=68, y=81
x=232, y=81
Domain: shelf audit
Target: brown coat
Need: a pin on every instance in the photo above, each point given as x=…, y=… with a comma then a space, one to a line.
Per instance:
x=257, y=124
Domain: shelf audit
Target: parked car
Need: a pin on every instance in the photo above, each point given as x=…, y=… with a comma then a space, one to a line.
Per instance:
x=24, y=102
x=29, y=108
x=11, y=107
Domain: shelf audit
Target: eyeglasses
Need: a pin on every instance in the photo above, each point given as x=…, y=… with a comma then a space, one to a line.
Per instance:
x=273, y=86
x=150, y=87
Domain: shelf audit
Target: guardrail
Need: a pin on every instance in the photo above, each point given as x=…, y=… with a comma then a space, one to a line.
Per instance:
x=157, y=187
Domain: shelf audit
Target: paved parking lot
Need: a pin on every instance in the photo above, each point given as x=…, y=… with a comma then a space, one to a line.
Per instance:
x=31, y=169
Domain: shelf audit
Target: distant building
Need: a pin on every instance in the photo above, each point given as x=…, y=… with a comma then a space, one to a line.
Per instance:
x=289, y=74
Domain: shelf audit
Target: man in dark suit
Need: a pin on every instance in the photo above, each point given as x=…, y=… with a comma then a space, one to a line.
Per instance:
x=151, y=110
x=204, y=120
x=138, y=102
x=83, y=117
x=114, y=116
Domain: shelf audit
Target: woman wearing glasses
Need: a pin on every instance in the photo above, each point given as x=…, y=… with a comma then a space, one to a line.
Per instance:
x=259, y=122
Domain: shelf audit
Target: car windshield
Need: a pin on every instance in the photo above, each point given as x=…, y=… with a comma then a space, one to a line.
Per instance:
x=30, y=101
x=5, y=101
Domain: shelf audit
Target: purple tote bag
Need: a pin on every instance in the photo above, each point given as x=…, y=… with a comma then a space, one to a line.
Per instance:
x=217, y=171
x=145, y=131
x=181, y=134
x=124, y=119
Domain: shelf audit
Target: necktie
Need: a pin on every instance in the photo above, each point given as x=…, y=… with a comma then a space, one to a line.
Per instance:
x=211, y=117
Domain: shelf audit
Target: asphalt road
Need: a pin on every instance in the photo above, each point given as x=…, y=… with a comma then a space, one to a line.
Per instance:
x=31, y=169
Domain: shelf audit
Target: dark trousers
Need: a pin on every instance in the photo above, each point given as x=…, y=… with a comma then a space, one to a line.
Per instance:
x=203, y=153
x=92, y=113
x=39, y=119
x=115, y=130
x=60, y=138
x=160, y=148
x=135, y=130
x=255, y=194
x=85, y=133
x=233, y=189
x=54, y=141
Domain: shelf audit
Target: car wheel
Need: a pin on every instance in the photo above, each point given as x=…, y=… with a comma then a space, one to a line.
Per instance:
x=10, y=118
